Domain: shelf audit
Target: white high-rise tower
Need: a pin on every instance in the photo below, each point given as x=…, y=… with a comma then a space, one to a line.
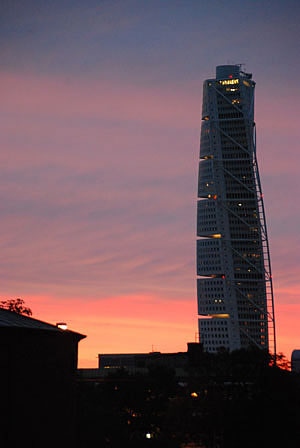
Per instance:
x=235, y=293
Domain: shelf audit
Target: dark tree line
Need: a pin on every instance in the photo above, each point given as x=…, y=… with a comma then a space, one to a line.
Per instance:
x=234, y=400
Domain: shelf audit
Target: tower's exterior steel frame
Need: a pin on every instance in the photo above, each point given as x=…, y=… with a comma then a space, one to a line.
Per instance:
x=234, y=284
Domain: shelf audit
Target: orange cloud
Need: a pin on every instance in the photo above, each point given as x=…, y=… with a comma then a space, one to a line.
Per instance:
x=122, y=324
x=142, y=323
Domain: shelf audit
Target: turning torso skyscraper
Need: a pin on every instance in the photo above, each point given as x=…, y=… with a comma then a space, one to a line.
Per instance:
x=235, y=293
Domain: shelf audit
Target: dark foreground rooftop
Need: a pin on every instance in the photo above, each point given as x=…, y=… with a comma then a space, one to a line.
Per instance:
x=10, y=319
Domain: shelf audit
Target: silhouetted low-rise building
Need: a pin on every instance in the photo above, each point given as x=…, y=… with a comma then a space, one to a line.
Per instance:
x=136, y=362
x=143, y=363
x=295, y=361
x=38, y=365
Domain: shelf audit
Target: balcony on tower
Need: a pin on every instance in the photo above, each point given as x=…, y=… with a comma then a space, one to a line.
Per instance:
x=209, y=260
x=207, y=223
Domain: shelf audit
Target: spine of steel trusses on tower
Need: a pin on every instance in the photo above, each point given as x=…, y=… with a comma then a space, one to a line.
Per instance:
x=235, y=292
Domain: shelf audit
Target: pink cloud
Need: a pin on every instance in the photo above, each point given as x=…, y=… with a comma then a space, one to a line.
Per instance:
x=287, y=324
x=98, y=192
x=102, y=99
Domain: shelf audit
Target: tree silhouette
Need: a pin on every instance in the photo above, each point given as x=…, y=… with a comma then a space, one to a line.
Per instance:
x=16, y=306
x=282, y=362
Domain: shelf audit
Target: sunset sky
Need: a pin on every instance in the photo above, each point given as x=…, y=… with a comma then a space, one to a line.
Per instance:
x=100, y=121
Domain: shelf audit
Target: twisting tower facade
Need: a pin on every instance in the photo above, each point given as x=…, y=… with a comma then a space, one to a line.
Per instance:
x=235, y=292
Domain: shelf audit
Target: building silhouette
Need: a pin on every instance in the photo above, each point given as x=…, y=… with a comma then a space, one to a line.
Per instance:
x=295, y=361
x=141, y=363
x=234, y=284
x=38, y=366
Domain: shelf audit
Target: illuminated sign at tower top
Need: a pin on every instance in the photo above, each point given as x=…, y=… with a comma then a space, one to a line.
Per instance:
x=227, y=82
